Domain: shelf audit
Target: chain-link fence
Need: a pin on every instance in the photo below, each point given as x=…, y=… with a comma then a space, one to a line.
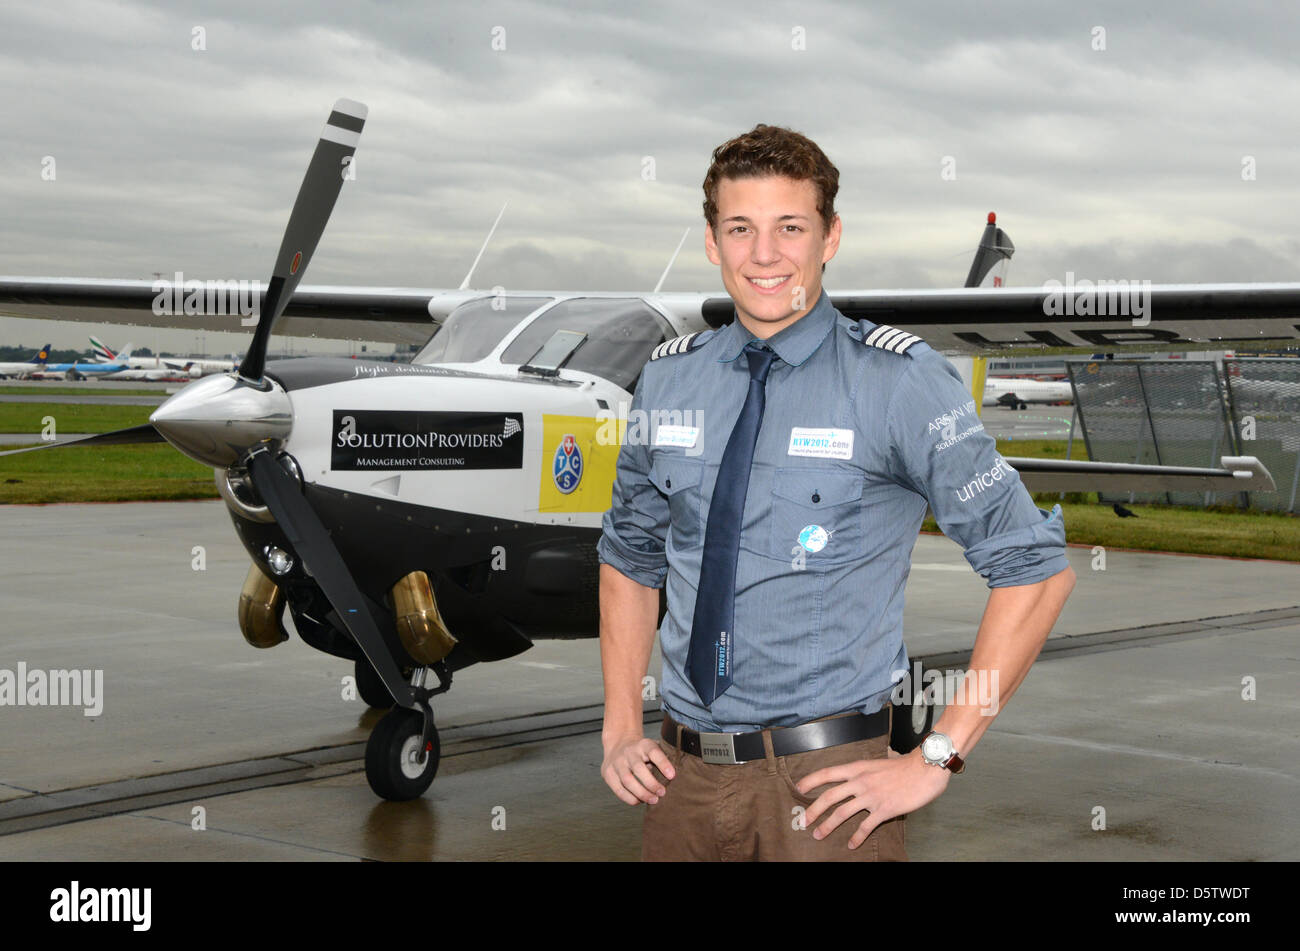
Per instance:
x=1155, y=413
x=1265, y=404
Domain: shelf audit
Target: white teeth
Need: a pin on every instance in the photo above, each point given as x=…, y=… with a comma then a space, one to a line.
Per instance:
x=769, y=281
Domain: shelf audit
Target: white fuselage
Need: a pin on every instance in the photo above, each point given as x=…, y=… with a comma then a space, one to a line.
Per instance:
x=20, y=370
x=1027, y=391
x=552, y=414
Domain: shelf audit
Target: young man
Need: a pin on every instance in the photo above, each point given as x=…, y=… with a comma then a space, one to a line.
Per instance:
x=777, y=494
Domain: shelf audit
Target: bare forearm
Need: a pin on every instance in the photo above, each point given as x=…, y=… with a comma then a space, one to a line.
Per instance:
x=1016, y=623
x=628, y=612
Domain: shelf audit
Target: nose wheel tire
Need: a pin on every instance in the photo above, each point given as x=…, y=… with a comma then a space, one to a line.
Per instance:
x=396, y=766
x=370, y=688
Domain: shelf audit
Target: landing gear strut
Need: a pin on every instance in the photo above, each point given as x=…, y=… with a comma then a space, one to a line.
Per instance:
x=371, y=688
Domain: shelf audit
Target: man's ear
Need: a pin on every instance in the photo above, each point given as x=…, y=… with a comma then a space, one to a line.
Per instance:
x=832, y=241
x=711, y=245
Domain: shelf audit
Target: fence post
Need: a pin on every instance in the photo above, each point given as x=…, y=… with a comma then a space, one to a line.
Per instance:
x=1224, y=387
x=1290, y=507
x=1155, y=440
x=1074, y=415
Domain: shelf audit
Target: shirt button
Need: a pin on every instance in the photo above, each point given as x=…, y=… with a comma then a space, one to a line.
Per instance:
x=668, y=483
x=816, y=497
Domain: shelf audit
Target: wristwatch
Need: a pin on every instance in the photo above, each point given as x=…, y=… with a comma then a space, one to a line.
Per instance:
x=936, y=750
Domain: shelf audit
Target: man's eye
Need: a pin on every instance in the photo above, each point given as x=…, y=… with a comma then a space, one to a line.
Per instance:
x=737, y=228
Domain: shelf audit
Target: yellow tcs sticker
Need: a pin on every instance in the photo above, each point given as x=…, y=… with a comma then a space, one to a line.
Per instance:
x=579, y=460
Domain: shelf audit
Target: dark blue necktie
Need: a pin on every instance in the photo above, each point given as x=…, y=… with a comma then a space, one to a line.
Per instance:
x=708, y=665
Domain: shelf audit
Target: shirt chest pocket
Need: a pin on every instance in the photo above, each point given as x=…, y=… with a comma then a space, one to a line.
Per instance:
x=679, y=479
x=817, y=518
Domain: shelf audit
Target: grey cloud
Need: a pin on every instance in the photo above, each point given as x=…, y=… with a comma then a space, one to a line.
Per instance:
x=171, y=159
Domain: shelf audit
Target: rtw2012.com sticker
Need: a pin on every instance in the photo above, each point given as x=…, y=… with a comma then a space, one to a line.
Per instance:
x=400, y=439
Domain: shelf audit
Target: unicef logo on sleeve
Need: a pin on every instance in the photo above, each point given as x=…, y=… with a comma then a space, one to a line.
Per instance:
x=566, y=468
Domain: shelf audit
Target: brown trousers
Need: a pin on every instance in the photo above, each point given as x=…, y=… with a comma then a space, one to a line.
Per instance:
x=751, y=812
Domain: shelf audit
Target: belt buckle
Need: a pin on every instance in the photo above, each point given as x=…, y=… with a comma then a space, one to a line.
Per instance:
x=718, y=748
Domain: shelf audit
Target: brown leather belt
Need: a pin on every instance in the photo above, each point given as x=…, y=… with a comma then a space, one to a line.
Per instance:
x=742, y=747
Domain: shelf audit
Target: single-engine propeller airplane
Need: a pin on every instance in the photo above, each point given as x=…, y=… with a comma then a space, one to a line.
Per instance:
x=419, y=518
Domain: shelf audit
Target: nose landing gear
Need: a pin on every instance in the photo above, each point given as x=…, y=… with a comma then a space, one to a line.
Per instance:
x=403, y=751
x=399, y=766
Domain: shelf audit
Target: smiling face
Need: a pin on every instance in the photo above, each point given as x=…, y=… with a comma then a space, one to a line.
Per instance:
x=770, y=246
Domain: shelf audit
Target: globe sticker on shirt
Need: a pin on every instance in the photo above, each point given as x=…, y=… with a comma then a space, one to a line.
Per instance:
x=814, y=538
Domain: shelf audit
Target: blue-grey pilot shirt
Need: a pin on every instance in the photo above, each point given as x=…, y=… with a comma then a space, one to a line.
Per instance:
x=862, y=428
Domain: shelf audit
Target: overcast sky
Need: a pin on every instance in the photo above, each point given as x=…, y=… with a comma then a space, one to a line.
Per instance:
x=1122, y=162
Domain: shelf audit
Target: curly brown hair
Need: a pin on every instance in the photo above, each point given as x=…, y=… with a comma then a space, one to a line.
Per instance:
x=772, y=150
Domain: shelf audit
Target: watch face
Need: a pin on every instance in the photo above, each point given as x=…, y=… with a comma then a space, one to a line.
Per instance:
x=935, y=748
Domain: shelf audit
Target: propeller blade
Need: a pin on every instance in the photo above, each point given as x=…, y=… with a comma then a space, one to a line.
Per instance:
x=311, y=211
x=311, y=540
x=118, y=437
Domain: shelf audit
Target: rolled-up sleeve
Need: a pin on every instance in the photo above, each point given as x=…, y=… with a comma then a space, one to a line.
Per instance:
x=940, y=450
x=636, y=525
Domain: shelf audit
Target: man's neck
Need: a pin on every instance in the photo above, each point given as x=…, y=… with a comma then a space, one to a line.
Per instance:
x=763, y=329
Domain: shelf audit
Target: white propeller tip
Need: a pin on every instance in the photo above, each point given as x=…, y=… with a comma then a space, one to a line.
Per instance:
x=351, y=107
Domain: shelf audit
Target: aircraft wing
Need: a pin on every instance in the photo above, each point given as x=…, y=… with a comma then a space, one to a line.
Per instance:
x=981, y=320
x=1075, y=317
x=388, y=314
x=1237, y=474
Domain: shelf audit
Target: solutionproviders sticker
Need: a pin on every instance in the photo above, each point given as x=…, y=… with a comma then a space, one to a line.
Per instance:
x=397, y=439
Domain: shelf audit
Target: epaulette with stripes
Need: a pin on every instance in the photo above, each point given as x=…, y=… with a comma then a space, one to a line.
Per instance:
x=677, y=345
x=890, y=338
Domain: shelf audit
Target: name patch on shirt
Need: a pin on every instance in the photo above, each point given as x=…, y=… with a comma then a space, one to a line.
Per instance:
x=821, y=443
x=684, y=436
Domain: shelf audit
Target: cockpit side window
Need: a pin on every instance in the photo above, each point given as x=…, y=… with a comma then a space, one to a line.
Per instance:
x=620, y=333
x=473, y=329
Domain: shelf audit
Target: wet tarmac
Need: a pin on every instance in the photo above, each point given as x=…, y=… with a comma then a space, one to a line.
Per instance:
x=104, y=399
x=1036, y=422
x=104, y=392
x=1135, y=712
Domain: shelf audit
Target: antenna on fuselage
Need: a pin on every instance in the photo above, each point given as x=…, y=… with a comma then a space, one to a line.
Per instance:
x=464, y=285
x=664, y=276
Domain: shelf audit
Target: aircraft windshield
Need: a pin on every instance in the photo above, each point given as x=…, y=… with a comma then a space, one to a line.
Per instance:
x=471, y=331
x=620, y=333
